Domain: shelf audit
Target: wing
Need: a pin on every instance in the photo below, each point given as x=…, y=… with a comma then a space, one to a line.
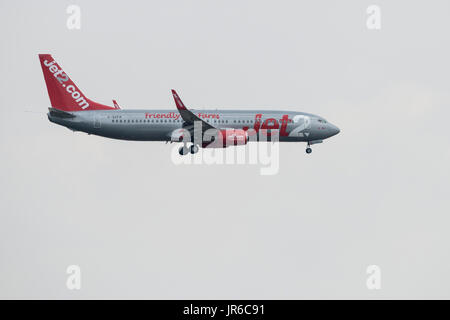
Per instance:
x=188, y=116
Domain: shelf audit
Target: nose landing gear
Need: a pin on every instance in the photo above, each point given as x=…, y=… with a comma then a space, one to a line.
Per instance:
x=308, y=148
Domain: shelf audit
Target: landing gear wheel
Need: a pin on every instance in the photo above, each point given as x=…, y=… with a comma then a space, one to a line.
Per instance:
x=194, y=149
x=183, y=151
x=308, y=150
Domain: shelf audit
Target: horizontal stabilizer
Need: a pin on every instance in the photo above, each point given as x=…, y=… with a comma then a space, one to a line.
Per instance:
x=60, y=114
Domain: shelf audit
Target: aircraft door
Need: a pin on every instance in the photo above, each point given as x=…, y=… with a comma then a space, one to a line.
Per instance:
x=97, y=122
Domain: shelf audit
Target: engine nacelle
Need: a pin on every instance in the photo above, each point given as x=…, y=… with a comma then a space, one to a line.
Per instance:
x=179, y=134
x=225, y=138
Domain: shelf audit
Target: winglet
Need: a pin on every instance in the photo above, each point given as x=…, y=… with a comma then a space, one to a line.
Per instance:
x=188, y=116
x=178, y=102
x=116, y=105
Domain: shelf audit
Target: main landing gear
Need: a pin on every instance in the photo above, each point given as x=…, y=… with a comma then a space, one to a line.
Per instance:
x=193, y=149
x=184, y=150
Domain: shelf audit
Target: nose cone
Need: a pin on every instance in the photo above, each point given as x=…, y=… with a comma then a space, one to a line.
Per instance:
x=333, y=130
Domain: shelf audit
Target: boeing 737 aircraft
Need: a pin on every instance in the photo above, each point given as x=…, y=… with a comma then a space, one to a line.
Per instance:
x=198, y=128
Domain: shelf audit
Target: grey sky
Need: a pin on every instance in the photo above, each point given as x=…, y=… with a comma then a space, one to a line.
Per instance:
x=141, y=227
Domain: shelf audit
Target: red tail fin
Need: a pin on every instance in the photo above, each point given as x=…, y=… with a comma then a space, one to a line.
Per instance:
x=63, y=92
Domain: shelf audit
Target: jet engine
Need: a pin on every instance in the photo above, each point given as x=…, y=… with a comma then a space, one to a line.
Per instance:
x=180, y=135
x=226, y=137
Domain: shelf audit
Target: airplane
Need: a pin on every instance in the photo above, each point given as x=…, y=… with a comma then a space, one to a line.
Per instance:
x=198, y=128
